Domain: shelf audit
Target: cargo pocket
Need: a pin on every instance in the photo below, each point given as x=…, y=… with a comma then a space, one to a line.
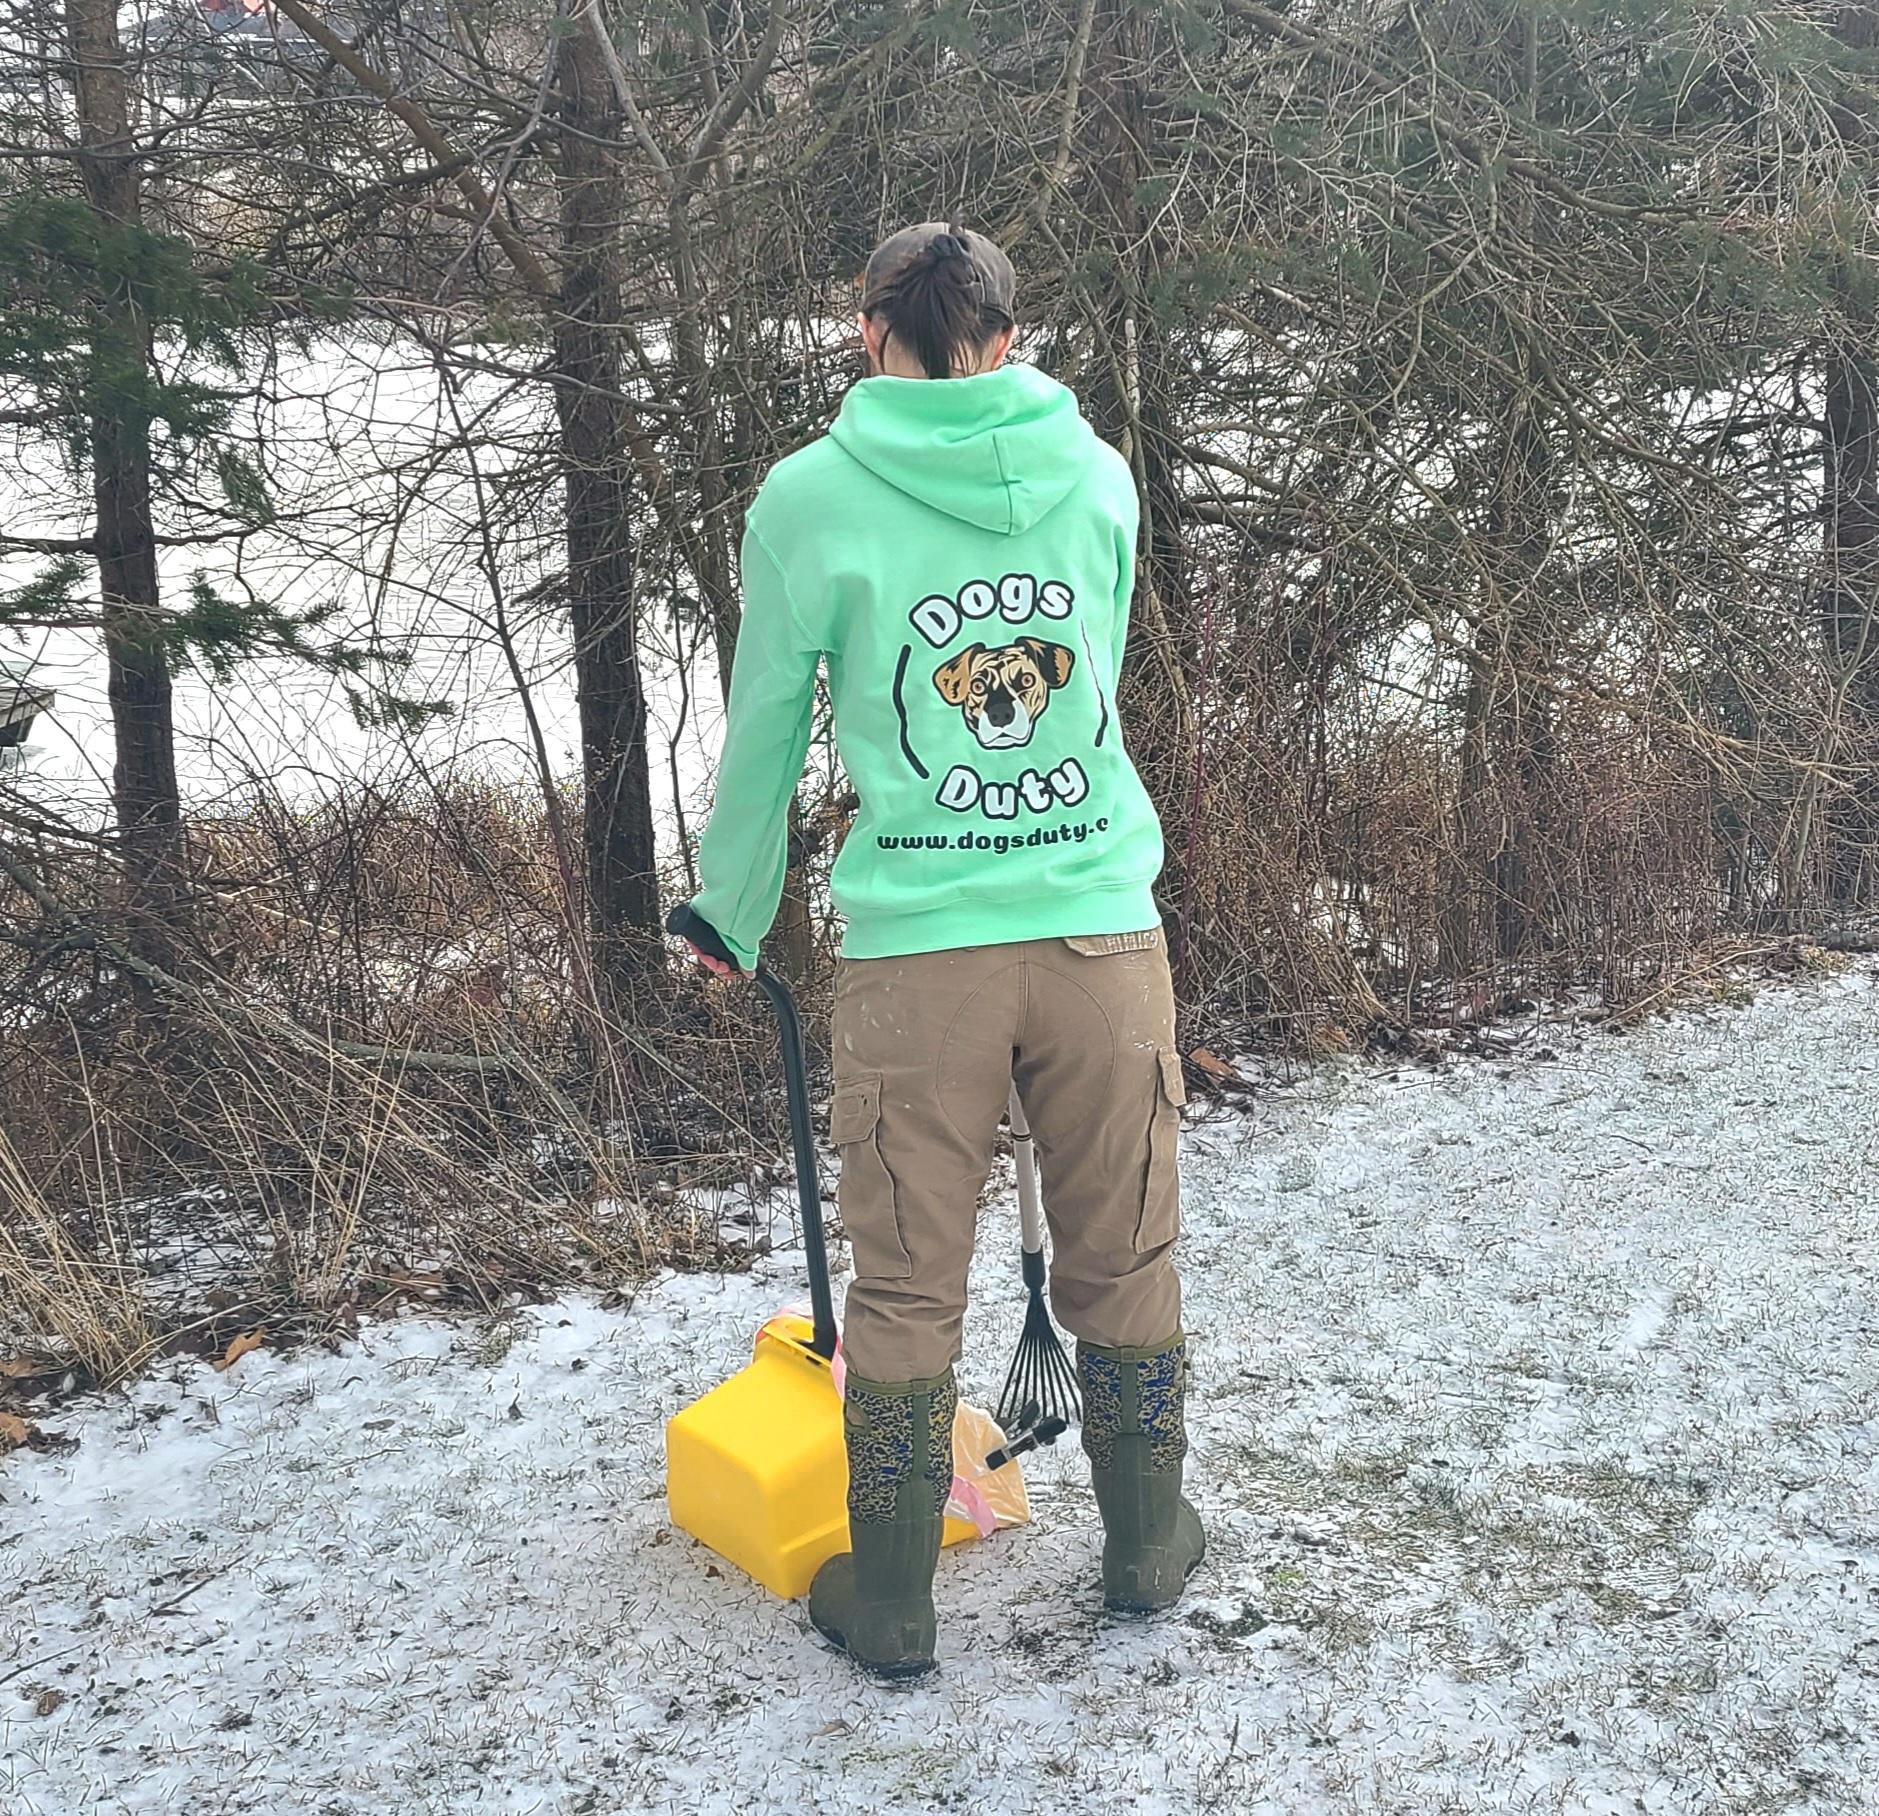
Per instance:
x=870, y=1205
x=1160, y=1220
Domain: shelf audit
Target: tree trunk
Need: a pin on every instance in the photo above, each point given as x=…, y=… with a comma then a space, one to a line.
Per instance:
x=1501, y=889
x=1849, y=605
x=1128, y=400
x=149, y=813
x=1500, y=883
x=1521, y=735
x=1127, y=396
x=622, y=885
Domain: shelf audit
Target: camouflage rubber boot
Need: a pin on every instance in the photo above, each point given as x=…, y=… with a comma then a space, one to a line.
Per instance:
x=1135, y=1432
x=876, y=1601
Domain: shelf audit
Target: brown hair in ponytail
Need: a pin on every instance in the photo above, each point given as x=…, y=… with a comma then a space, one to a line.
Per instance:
x=944, y=293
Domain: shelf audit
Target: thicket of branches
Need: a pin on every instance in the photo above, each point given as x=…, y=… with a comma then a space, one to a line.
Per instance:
x=1499, y=380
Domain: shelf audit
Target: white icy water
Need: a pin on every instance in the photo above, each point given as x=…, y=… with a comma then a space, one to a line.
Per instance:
x=378, y=515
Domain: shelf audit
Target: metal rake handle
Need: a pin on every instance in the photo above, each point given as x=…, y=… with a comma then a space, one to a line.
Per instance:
x=1030, y=1201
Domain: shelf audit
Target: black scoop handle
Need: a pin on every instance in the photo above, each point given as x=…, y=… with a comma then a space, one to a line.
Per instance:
x=684, y=923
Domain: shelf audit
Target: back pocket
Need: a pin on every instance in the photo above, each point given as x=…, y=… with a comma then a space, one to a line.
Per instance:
x=1160, y=1219
x=870, y=1204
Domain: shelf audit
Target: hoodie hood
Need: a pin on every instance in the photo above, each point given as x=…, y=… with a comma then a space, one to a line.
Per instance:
x=999, y=449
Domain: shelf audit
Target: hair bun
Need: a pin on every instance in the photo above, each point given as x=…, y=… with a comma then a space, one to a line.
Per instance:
x=942, y=291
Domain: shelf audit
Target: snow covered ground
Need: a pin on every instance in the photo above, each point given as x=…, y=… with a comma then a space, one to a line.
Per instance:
x=1537, y=1432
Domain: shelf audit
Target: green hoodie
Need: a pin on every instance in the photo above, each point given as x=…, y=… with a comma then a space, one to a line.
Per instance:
x=960, y=552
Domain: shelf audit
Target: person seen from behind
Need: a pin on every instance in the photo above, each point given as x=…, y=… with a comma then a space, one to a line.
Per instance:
x=958, y=552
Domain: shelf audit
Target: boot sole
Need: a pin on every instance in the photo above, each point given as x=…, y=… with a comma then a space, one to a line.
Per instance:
x=898, y=1671
x=896, y=1676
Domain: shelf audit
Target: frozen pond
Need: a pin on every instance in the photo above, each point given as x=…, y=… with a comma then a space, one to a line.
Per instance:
x=386, y=479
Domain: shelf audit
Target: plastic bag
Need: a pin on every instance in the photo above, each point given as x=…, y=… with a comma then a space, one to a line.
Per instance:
x=987, y=1498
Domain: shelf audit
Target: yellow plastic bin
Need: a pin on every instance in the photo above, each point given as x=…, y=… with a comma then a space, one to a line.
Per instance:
x=757, y=1469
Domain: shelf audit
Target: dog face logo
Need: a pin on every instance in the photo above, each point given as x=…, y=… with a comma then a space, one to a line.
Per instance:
x=1003, y=692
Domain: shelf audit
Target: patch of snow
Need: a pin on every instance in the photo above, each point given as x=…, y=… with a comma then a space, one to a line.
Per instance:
x=1536, y=1427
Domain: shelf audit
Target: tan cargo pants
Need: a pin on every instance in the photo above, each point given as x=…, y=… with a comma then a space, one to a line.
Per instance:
x=926, y=1050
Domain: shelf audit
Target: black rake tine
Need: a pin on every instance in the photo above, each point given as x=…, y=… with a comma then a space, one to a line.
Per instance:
x=1041, y=1381
x=1041, y=1397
